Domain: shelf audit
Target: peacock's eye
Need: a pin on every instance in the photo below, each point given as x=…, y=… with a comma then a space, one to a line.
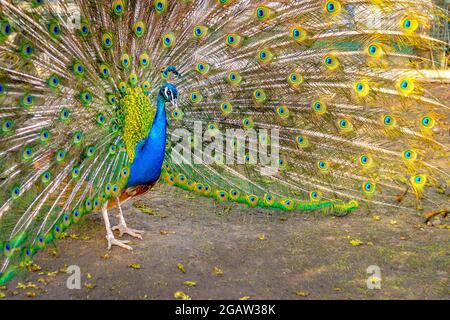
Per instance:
x=426, y=121
x=404, y=84
x=368, y=186
x=330, y=7
x=161, y=6
x=333, y=7
x=168, y=93
x=407, y=23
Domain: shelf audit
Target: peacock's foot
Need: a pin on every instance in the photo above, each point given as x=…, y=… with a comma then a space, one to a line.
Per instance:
x=120, y=243
x=123, y=229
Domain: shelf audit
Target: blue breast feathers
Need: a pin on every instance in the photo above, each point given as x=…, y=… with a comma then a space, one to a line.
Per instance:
x=149, y=152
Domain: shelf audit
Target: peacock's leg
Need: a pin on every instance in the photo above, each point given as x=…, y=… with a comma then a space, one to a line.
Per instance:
x=112, y=241
x=122, y=226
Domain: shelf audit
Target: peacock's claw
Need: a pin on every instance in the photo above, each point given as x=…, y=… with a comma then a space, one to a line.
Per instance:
x=120, y=243
x=123, y=229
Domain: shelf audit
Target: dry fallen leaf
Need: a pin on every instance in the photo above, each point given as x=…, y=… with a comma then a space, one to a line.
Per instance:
x=356, y=242
x=148, y=211
x=2, y=295
x=3, y=287
x=106, y=256
x=181, y=296
x=262, y=237
x=135, y=266
x=42, y=280
x=34, y=267
x=139, y=204
x=52, y=274
x=181, y=268
x=89, y=285
x=20, y=285
x=31, y=294
x=283, y=218
x=393, y=222
x=29, y=285
x=89, y=276
x=244, y=298
x=217, y=271
x=85, y=238
x=74, y=236
x=190, y=283
x=302, y=293
x=337, y=289
x=166, y=232
x=376, y=218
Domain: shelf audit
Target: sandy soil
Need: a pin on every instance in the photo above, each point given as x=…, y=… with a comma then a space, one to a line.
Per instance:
x=262, y=254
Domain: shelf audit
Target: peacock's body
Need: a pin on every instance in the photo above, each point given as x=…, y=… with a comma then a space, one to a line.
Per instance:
x=84, y=86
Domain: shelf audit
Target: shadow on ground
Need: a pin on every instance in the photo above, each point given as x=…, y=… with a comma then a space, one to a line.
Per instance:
x=262, y=254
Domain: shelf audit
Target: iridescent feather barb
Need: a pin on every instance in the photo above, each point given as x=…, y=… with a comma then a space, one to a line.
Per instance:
x=348, y=84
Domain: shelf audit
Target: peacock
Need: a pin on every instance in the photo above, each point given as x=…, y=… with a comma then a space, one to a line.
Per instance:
x=327, y=105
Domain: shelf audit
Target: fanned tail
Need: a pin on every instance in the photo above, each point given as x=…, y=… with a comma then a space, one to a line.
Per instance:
x=344, y=90
x=346, y=85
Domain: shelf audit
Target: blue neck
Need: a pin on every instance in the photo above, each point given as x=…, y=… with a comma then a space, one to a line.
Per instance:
x=159, y=122
x=150, y=152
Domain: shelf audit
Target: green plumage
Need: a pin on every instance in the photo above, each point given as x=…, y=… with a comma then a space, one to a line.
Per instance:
x=137, y=113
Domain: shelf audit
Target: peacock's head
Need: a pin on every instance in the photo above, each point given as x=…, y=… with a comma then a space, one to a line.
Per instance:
x=170, y=93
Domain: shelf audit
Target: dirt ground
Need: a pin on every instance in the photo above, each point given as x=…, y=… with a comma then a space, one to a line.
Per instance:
x=258, y=254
